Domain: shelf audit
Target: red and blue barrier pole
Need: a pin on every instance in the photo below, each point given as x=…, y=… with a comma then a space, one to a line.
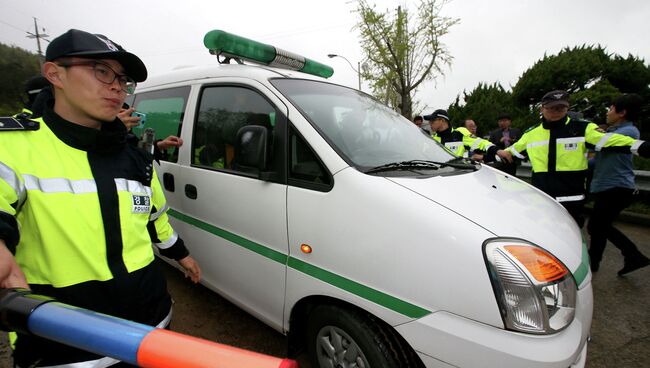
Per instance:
x=130, y=342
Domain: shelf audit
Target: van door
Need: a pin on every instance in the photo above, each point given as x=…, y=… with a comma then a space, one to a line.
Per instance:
x=237, y=222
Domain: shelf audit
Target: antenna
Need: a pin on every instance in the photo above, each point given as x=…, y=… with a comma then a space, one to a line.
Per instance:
x=38, y=37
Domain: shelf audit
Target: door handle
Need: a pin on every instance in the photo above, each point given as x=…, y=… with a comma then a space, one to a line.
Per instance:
x=190, y=191
x=168, y=182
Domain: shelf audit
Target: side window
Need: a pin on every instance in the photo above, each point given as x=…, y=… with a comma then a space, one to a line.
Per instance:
x=223, y=110
x=164, y=110
x=305, y=169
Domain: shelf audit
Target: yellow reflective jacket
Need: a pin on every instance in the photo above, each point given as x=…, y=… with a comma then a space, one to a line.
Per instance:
x=459, y=141
x=80, y=209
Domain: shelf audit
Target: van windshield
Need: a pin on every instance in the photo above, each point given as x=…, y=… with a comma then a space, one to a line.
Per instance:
x=366, y=133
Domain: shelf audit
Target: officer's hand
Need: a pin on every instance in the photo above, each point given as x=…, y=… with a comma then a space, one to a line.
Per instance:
x=505, y=155
x=129, y=121
x=192, y=268
x=644, y=149
x=477, y=157
x=11, y=276
x=171, y=141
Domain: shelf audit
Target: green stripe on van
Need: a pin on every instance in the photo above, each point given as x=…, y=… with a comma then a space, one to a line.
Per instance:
x=368, y=293
x=580, y=273
x=355, y=288
x=250, y=245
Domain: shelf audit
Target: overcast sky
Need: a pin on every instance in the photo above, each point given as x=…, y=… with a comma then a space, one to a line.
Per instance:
x=495, y=41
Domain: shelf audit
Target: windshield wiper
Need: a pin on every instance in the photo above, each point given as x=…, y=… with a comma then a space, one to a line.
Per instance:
x=463, y=164
x=420, y=164
x=405, y=165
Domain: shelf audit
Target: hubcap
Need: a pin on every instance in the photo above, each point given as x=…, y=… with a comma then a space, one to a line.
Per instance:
x=336, y=349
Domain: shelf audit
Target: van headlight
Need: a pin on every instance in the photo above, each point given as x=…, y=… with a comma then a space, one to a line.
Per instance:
x=535, y=291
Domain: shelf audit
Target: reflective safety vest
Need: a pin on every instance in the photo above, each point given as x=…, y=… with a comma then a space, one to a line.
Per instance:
x=558, y=155
x=83, y=217
x=460, y=140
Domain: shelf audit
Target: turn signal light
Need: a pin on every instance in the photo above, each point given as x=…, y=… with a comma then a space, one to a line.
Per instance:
x=539, y=263
x=305, y=248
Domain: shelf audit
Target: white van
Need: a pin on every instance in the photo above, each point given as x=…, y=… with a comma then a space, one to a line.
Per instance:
x=303, y=202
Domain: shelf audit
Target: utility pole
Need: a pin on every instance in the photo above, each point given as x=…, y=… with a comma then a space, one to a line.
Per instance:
x=38, y=37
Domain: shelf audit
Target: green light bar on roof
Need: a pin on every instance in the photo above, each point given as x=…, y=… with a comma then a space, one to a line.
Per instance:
x=228, y=44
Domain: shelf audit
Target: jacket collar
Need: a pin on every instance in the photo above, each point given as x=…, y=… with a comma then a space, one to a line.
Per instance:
x=111, y=137
x=555, y=124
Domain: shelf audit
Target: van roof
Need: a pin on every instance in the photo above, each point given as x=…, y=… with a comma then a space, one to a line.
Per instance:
x=194, y=73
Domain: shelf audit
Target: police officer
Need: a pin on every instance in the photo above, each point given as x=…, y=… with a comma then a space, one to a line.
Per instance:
x=557, y=149
x=458, y=140
x=33, y=86
x=88, y=204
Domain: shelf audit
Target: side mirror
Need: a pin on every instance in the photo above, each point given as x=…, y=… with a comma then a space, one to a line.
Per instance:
x=251, y=150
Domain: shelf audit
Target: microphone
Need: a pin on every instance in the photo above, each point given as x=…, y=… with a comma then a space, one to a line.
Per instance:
x=148, y=140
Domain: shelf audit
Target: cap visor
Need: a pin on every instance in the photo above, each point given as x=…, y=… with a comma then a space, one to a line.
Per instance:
x=556, y=103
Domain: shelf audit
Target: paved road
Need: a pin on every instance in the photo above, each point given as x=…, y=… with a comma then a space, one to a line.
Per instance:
x=620, y=330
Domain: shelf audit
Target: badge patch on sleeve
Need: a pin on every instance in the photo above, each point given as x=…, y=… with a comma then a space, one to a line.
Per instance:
x=141, y=204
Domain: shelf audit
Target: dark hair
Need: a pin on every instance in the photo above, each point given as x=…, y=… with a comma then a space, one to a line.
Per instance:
x=418, y=118
x=503, y=116
x=631, y=103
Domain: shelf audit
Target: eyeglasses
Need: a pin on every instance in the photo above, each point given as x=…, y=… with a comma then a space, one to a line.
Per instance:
x=105, y=74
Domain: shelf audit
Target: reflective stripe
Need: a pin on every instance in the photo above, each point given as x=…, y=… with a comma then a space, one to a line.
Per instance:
x=132, y=186
x=106, y=361
x=570, y=140
x=11, y=178
x=476, y=143
x=537, y=144
x=154, y=216
x=602, y=141
x=63, y=185
x=169, y=242
x=635, y=147
x=60, y=185
x=515, y=152
x=570, y=198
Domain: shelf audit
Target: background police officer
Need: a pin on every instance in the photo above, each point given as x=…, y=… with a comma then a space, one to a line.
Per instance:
x=458, y=140
x=557, y=149
x=88, y=204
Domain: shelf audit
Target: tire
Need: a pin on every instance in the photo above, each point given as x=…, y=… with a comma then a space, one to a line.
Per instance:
x=346, y=338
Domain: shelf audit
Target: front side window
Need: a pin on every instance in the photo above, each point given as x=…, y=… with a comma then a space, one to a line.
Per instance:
x=224, y=110
x=305, y=168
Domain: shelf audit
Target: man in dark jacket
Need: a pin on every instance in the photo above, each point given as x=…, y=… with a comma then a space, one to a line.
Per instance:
x=504, y=137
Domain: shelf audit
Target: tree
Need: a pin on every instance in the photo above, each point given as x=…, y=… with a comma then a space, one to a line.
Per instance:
x=573, y=70
x=484, y=104
x=403, y=50
x=592, y=76
x=16, y=66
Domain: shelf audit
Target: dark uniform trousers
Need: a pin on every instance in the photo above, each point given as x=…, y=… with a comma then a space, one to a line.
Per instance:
x=607, y=206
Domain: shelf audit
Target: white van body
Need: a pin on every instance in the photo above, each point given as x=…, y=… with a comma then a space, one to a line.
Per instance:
x=428, y=286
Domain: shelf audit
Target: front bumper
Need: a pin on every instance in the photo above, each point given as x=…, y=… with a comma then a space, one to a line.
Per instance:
x=443, y=339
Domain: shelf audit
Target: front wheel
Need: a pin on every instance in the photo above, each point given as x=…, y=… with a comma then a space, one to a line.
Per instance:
x=345, y=338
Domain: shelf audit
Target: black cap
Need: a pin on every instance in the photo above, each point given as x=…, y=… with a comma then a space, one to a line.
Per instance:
x=554, y=98
x=35, y=84
x=95, y=46
x=440, y=113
